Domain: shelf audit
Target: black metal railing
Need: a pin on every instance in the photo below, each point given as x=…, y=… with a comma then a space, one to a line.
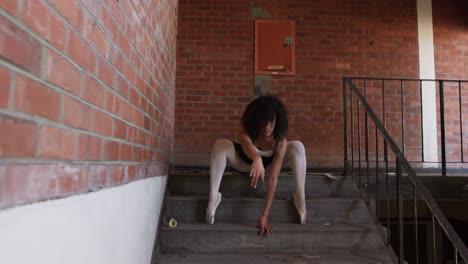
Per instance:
x=390, y=162
x=451, y=144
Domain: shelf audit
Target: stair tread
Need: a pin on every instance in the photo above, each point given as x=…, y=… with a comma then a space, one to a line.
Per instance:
x=257, y=199
x=238, y=185
x=227, y=173
x=246, y=210
x=279, y=227
x=272, y=258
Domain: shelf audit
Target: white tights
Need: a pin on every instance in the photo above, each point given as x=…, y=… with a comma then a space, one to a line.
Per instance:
x=223, y=151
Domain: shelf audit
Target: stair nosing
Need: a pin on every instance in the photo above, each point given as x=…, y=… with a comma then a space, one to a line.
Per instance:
x=279, y=227
x=255, y=199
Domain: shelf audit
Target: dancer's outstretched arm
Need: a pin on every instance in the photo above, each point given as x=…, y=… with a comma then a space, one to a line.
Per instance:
x=271, y=186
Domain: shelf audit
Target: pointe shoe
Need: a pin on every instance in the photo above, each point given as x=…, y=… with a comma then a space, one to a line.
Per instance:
x=210, y=213
x=301, y=209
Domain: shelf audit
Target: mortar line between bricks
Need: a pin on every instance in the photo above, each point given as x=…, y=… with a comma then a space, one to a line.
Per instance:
x=52, y=86
x=67, y=36
x=20, y=8
x=6, y=198
x=44, y=121
x=37, y=141
x=11, y=89
x=43, y=63
x=62, y=108
x=46, y=44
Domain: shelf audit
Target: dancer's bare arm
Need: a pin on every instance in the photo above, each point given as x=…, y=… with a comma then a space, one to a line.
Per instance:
x=257, y=170
x=271, y=186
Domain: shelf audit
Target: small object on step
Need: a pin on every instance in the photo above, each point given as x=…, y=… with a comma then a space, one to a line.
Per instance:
x=309, y=257
x=172, y=223
x=327, y=224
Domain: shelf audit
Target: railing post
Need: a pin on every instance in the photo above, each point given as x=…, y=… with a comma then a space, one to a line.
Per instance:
x=442, y=127
x=401, y=255
x=377, y=198
x=345, y=124
x=352, y=130
x=367, y=144
x=358, y=103
x=416, y=240
x=460, y=111
x=402, y=110
x=422, y=123
x=387, y=191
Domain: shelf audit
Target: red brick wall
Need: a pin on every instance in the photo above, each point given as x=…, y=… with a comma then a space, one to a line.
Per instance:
x=450, y=21
x=87, y=92
x=333, y=38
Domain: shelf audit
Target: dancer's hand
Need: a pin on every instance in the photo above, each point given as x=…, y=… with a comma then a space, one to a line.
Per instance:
x=256, y=171
x=265, y=228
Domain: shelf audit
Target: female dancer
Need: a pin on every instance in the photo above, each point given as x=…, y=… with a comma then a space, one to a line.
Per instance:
x=263, y=144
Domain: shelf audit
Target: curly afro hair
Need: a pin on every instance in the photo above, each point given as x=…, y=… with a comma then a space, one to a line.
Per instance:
x=263, y=110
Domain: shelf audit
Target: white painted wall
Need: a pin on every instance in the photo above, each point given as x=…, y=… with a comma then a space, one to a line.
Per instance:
x=427, y=71
x=112, y=226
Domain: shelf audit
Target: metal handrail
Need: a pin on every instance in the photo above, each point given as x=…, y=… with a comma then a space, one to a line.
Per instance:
x=401, y=162
x=403, y=79
x=441, y=115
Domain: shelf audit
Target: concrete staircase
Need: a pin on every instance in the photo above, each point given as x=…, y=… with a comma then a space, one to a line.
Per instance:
x=339, y=228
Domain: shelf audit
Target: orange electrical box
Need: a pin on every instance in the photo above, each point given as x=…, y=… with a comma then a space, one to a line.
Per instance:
x=275, y=47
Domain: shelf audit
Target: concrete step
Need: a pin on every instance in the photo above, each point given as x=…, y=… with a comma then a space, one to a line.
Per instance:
x=188, y=209
x=311, y=238
x=236, y=184
x=272, y=259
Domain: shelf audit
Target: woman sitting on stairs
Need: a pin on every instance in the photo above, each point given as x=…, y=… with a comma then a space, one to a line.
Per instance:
x=263, y=145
